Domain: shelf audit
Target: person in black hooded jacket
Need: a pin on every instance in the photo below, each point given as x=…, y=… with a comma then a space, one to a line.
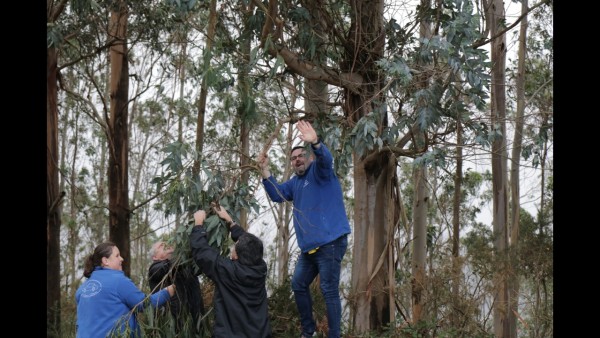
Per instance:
x=240, y=298
x=188, y=300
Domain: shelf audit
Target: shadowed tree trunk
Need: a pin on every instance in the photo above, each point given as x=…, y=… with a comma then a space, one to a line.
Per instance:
x=495, y=19
x=283, y=219
x=456, y=262
x=419, y=218
x=72, y=226
x=212, y=22
x=515, y=180
x=118, y=138
x=53, y=199
x=53, y=196
x=421, y=193
x=246, y=105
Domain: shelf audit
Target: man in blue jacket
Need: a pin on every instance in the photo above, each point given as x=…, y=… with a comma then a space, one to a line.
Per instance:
x=320, y=222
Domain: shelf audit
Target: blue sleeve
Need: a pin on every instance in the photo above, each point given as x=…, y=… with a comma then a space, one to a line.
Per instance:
x=324, y=161
x=278, y=192
x=134, y=297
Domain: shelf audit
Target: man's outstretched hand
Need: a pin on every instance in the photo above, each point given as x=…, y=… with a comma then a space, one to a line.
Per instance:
x=263, y=163
x=307, y=133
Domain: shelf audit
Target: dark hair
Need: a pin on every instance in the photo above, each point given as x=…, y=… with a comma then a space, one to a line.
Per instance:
x=306, y=148
x=92, y=261
x=249, y=249
x=298, y=147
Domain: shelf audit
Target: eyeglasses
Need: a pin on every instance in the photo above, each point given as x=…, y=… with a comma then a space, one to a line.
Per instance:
x=299, y=156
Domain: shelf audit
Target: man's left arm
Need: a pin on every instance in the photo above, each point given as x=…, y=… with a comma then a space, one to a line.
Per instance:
x=324, y=160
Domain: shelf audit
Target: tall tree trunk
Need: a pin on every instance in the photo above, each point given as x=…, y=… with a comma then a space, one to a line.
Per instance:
x=456, y=263
x=118, y=176
x=181, y=38
x=72, y=226
x=374, y=199
x=201, y=105
x=53, y=198
x=284, y=218
x=403, y=252
x=419, y=218
x=283, y=211
x=98, y=215
x=515, y=180
x=315, y=91
x=541, y=290
x=421, y=195
x=53, y=194
x=496, y=17
x=246, y=105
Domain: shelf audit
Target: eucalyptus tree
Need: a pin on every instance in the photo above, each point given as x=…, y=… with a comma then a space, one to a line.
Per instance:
x=53, y=196
x=456, y=262
x=532, y=148
x=515, y=191
x=421, y=196
x=118, y=136
x=202, y=97
x=495, y=16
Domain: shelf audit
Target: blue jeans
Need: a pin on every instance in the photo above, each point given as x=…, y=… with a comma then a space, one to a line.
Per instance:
x=327, y=262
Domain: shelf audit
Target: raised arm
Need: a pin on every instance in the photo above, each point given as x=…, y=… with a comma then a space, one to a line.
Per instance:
x=263, y=163
x=234, y=228
x=308, y=133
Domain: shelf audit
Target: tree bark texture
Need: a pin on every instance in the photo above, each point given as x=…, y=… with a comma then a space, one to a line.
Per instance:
x=456, y=261
x=373, y=196
x=53, y=198
x=421, y=196
x=515, y=180
x=118, y=175
x=246, y=105
x=495, y=17
x=419, y=218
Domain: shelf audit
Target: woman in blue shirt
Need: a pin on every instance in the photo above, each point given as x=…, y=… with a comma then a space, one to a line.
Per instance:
x=108, y=300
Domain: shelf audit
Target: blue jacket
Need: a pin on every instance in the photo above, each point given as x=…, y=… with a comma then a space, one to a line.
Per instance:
x=109, y=299
x=319, y=212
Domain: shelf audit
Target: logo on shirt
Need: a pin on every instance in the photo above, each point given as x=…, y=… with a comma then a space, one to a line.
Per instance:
x=305, y=183
x=91, y=288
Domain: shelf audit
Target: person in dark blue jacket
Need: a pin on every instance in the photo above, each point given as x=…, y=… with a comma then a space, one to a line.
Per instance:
x=107, y=302
x=240, y=299
x=320, y=222
x=187, y=306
